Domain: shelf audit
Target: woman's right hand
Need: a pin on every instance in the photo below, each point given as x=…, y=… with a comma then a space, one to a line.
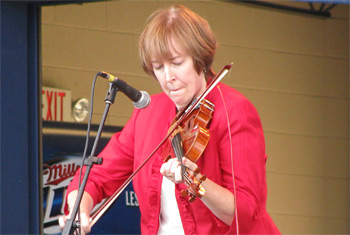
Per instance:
x=86, y=207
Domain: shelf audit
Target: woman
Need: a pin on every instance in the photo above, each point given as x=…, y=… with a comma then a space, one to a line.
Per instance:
x=177, y=47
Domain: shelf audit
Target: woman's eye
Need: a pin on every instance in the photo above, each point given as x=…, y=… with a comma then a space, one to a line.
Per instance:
x=157, y=67
x=177, y=63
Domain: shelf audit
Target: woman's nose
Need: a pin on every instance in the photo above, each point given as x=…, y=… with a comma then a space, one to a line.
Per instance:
x=168, y=73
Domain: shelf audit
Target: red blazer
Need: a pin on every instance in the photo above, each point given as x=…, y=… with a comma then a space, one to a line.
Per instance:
x=145, y=130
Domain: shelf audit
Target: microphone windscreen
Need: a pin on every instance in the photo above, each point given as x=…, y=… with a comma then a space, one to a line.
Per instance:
x=144, y=100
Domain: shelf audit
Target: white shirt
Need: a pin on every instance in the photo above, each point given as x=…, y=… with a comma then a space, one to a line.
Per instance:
x=169, y=219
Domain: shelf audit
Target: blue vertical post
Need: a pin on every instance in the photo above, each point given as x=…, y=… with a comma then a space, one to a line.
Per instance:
x=20, y=139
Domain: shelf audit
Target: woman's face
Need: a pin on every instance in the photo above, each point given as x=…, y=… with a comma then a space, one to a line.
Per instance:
x=178, y=77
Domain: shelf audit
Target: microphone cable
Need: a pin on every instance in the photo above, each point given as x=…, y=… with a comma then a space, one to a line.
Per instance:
x=86, y=140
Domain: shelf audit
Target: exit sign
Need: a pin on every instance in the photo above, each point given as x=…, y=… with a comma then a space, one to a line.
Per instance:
x=56, y=104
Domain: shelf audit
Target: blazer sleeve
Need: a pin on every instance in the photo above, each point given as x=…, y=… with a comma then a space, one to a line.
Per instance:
x=247, y=176
x=117, y=165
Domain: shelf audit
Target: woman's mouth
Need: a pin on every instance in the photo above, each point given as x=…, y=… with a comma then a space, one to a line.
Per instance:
x=174, y=91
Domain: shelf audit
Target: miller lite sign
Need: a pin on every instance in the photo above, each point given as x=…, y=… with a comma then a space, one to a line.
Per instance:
x=57, y=174
x=56, y=104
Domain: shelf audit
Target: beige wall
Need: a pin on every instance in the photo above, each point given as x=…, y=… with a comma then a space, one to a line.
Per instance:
x=293, y=67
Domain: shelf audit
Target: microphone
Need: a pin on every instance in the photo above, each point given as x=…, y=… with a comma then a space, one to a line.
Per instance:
x=141, y=99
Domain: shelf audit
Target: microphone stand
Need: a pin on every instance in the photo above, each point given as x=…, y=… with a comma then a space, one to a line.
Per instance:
x=71, y=225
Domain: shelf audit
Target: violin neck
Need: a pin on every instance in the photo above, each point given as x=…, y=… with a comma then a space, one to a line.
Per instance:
x=178, y=150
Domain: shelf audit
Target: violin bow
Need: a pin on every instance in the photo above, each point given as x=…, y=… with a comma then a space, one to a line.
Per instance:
x=96, y=215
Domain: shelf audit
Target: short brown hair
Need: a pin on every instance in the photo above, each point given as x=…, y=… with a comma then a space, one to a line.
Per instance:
x=190, y=30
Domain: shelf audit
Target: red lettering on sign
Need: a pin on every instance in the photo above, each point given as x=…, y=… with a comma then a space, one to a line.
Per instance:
x=54, y=105
x=49, y=98
x=61, y=94
x=59, y=172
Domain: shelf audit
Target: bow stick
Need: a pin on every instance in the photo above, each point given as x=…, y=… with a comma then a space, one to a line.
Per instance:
x=95, y=216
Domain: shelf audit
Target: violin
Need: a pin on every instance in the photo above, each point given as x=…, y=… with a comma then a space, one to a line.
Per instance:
x=179, y=121
x=189, y=140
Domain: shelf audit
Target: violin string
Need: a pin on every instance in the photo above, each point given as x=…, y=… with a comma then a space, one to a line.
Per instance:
x=177, y=145
x=178, y=149
x=178, y=152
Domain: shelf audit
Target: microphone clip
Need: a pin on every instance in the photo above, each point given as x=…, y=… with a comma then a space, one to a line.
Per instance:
x=112, y=92
x=93, y=160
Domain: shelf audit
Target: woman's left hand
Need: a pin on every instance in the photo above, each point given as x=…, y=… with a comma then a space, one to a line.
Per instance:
x=172, y=169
